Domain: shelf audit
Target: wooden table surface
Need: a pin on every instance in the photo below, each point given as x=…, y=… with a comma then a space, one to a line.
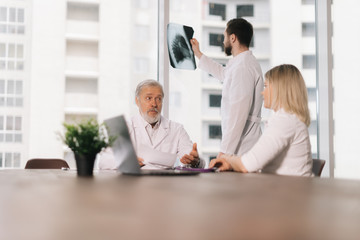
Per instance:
x=56, y=204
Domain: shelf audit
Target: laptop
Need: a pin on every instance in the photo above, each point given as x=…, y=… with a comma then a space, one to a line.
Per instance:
x=125, y=153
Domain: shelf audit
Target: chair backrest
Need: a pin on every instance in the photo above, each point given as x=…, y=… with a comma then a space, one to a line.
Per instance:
x=46, y=163
x=318, y=165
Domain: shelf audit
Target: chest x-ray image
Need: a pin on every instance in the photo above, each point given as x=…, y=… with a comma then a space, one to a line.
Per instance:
x=180, y=51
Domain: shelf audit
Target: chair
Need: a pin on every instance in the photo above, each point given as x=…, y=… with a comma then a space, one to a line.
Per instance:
x=318, y=165
x=46, y=163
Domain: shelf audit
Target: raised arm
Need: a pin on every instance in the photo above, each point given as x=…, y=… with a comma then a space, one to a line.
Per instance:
x=207, y=64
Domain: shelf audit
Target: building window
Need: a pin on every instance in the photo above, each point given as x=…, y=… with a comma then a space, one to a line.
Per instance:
x=216, y=40
x=11, y=93
x=244, y=11
x=215, y=100
x=215, y=132
x=308, y=29
x=252, y=42
x=309, y=61
x=82, y=12
x=313, y=127
x=9, y=160
x=12, y=20
x=11, y=56
x=10, y=129
x=217, y=10
x=312, y=94
x=2, y=128
x=308, y=2
x=2, y=92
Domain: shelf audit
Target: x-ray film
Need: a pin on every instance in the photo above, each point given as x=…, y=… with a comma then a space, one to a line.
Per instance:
x=180, y=51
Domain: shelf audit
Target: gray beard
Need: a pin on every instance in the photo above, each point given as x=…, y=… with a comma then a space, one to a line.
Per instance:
x=150, y=120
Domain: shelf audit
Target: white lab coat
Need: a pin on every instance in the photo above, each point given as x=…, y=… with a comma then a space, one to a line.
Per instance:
x=284, y=148
x=170, y=137
x=241, y=101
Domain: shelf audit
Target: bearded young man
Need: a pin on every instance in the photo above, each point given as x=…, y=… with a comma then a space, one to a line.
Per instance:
x=149, y=129
x=242, y=86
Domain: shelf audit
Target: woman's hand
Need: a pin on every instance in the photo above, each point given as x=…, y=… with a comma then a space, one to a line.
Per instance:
x=221, y=164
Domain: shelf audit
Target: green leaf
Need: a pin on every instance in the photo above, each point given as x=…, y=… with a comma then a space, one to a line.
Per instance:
x=87, y=137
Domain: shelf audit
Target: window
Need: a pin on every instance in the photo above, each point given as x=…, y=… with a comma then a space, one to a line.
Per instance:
x=308, y=2
x=12, y=20
x=308, y=29
x=3, y=14
x=82, y=12
x=309, y=61
x=272, y=37
x=2, y=92
x=217, y=10
x=10, y=129
x=215, y=132
x=2, y=123
x=117, y=61
x=11, y=93
x=11, y=56
x=216, y=40
x=82, y=67
x=10, y=159
x=252, y=42
x=244, y=11
x=214, y=100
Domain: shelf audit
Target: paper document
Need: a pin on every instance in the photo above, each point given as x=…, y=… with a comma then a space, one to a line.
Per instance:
x=154, y=159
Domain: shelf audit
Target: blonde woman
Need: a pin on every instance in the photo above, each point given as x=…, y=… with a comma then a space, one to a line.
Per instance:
x=284, y=148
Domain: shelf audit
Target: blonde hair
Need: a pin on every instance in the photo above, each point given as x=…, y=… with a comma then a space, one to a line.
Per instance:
x=289, y=91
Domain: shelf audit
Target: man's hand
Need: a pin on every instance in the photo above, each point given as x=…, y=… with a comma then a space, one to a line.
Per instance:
x=191, y=158
x=196, y=47
x=141, y=162
x=221, y=164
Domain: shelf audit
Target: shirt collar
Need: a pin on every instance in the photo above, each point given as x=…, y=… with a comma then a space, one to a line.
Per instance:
x=239, y=57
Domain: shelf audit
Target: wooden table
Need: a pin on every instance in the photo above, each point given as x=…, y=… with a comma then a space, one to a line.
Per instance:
x=56, y=204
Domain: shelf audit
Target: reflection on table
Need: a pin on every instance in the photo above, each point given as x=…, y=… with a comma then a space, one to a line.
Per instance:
x=56, y=204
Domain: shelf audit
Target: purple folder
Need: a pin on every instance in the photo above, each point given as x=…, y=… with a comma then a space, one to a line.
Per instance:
x=201, y=170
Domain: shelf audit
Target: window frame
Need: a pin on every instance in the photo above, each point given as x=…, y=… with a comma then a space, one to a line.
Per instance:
x=323, y=26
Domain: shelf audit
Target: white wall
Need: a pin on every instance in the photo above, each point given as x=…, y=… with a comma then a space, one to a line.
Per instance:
x=346, y=80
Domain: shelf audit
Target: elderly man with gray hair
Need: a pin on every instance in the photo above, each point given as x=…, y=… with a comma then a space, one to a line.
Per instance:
x=149, y=129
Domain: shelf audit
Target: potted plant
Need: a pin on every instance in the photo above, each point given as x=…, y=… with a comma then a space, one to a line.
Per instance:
x=86, y=139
